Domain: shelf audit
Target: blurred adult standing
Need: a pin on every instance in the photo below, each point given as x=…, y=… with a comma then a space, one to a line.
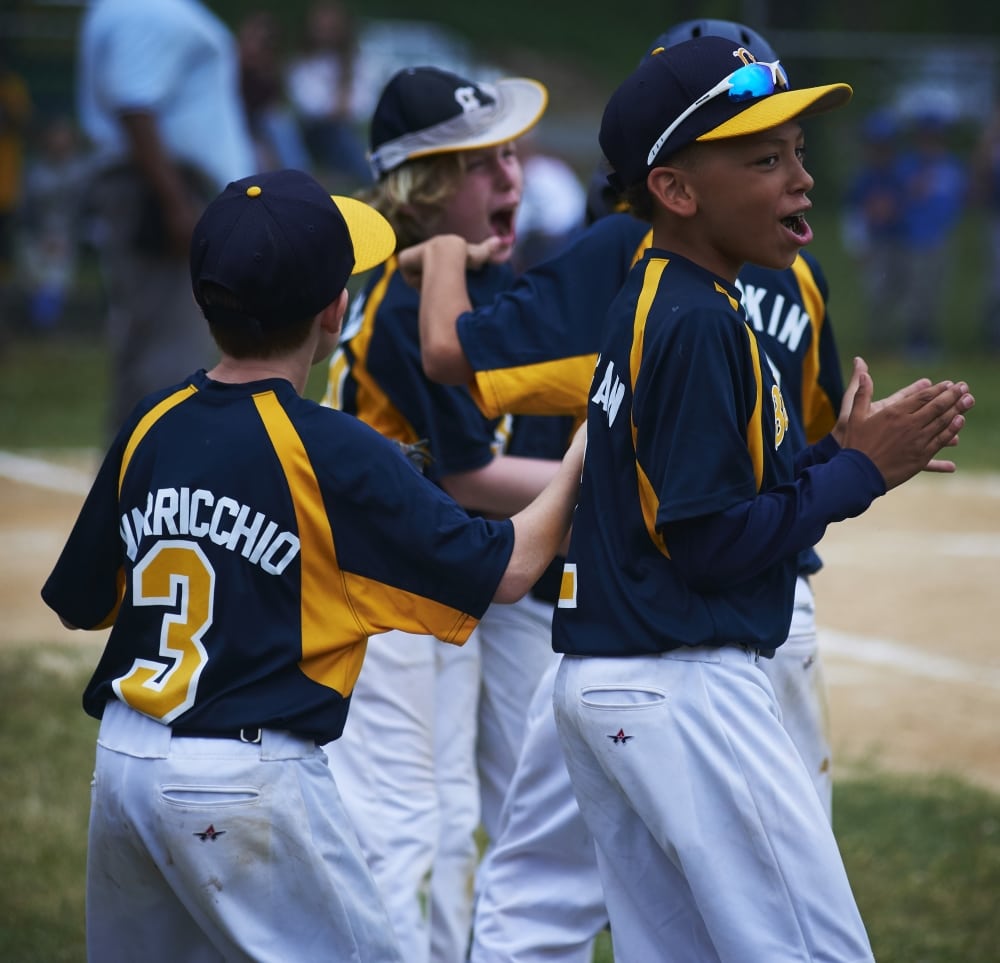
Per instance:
x=986, y=193
x=872, y=225
x=273, y=126
x=158, y=96
x=321, y=91
x=15, y=114
x=934, y=184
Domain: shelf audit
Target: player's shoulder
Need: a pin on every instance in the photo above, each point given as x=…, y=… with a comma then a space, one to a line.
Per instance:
x=685, y=292
x=341, y=445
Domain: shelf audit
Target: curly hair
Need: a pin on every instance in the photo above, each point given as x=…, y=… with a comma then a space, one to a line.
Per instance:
x=410, y=197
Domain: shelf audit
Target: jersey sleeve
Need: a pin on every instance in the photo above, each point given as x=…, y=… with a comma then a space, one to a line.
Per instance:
x=413, y=558
x=85, y=587
x=534, y=348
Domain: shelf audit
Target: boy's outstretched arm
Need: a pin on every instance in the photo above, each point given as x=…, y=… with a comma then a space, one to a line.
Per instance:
x=540, y=528
x=437, y=267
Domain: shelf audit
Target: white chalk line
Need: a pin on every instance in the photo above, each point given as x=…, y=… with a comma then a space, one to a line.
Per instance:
x=873, y=651
x=44, y=474
x=905, y=658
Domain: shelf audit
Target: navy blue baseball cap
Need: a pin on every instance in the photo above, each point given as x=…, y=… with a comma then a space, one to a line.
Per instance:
x=700, y=90
x=283, y=247
x=426, y=110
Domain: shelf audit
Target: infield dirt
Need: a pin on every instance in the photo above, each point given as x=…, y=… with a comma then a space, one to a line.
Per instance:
x=908, y=608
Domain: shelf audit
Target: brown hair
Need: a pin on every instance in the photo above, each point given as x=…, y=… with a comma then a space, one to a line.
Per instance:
x=243, y=336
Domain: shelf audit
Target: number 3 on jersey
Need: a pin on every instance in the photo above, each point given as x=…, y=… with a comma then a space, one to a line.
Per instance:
x=178, y=576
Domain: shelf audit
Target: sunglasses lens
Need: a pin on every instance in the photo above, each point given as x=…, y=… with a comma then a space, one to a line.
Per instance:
x=753, y=80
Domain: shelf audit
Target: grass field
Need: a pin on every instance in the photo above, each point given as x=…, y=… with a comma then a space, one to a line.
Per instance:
x=923, y=855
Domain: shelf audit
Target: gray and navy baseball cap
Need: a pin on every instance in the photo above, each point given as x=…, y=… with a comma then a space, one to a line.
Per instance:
x=426, y=110
x=283, y=247
x=703, y=89
x=707, y=27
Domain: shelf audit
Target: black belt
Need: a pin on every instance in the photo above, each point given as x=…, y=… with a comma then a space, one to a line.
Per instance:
x=251, y=734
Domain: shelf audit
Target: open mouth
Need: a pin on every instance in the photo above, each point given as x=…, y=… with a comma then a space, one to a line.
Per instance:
x=797, y=225
x=502, y=223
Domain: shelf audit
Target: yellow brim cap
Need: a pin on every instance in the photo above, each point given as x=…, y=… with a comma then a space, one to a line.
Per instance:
x=371, y=234
x=780, y=108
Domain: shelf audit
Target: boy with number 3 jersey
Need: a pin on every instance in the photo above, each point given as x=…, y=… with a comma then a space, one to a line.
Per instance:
x=243, y=543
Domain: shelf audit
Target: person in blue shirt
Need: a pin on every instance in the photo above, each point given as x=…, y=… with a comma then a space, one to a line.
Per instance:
x=933, y=184
x=534, y=349
x=873, y=208
x=985, y=175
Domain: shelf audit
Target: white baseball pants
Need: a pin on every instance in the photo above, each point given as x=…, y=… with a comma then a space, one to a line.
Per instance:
x=212, y=850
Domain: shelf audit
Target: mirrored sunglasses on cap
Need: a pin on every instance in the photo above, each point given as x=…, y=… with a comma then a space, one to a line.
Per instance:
x=752, y=80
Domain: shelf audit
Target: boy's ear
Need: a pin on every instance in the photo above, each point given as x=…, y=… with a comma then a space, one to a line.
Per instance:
x=332, y=316
x=671, y=188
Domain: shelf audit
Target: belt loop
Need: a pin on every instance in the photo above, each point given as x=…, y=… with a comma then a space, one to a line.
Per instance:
x=252, y=736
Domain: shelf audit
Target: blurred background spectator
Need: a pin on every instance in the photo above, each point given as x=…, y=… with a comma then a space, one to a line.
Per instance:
x=871, y=226
x=273, y=125
x=933, y=181
x=51, y=222
x=159, y=99
x=15, y=114
x=320, y=88
x=986, y=193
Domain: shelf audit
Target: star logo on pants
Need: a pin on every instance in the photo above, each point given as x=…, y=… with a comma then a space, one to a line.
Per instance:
x=619, y=737
x=210, y=834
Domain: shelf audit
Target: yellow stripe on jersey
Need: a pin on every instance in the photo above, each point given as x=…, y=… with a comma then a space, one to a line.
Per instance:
x=818, y=416
x=559, y=387
x=648, y=499
x=322, y=593
x=141, y=430
x=146, y=422
x=372, y=404
x=755, y=430
x=381, y=607
x=332, y=654
x=567, y=587
x=646, y=242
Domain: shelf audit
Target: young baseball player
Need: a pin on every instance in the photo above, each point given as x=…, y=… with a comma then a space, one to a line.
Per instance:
x=243, y=543
x=444, y=154
x=538, y=336
x=694, y=507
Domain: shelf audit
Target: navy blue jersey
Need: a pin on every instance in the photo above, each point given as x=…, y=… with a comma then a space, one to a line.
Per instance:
x=244, y=542
x=685, y=420
x=376, y=374
x=695, y=505
x=788, y=310
x=534, y=348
